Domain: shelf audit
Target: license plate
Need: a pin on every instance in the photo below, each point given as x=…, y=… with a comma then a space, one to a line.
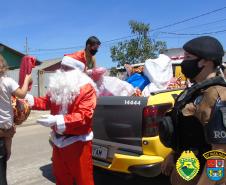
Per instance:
x=100, y=152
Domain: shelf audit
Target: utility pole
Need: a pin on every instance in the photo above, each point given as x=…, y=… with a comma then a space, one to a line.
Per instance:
x=26, y=47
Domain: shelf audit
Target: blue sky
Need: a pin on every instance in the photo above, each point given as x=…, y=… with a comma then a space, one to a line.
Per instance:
x=51, y=24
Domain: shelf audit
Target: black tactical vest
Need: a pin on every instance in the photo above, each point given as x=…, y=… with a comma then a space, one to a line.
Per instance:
x=186, y=132
x=215, y=130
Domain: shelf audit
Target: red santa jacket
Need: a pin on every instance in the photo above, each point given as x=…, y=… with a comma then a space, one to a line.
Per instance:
x=78, y=120
x=81, y=56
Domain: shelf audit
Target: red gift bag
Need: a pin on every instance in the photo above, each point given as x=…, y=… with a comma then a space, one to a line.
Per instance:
x=27, y=63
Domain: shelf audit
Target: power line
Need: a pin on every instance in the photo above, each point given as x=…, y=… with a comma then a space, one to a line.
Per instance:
x=199, y=25
x=78, y=47
x=207, y=33
x=130, y=36
x=57, y=49
x=173, y=24
x=168, y=33
x=49, y=53
x=189, y=19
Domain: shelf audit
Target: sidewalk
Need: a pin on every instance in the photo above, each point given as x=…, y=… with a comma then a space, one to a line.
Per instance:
x=34, y=115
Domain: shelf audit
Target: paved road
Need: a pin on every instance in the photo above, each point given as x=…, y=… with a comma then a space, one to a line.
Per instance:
x=30, y=162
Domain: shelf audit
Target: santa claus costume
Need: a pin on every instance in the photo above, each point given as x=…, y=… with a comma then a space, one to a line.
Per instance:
x=88, y=60
x=71, y=99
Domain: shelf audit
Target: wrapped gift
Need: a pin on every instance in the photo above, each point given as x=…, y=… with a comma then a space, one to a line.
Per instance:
x=138, y=81
x=21, y=110
x=137, y=92
x=131, y=70
x=176, y=83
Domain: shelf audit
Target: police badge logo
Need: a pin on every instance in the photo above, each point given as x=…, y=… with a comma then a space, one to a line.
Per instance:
x=215, y=167
x=187, y=165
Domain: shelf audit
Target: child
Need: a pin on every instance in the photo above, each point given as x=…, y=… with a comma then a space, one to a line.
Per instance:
x=8, y=87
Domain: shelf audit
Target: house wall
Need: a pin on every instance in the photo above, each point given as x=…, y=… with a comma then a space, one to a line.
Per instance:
x=44, y=81
x=12, y=59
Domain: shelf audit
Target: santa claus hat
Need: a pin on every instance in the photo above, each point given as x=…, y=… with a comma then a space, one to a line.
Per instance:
x=73, y=63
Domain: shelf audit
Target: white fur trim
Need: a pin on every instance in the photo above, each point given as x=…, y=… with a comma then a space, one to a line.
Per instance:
x=60, y=124
x=85, y=79
x=30, y=99
x=71, y=62
x=63, y=141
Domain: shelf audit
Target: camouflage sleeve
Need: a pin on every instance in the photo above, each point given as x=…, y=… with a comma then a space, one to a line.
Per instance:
x=204, y=107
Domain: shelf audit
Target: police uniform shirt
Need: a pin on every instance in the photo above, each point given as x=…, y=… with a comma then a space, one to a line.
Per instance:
x=202, y=108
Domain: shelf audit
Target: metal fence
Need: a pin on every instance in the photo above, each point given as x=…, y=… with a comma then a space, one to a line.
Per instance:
x=14, y=74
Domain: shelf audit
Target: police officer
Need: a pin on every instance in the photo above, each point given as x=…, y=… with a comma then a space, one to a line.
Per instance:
x=202, y=58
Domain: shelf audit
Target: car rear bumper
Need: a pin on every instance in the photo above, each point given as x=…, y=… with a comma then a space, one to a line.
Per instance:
x=147, y=166
x=150, y=170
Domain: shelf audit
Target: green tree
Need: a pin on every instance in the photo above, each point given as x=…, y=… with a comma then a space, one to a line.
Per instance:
x=137, y=49
x=113, y=71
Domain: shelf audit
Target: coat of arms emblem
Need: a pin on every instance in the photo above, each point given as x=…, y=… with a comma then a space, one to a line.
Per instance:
x=187, y=165
x=215, y=164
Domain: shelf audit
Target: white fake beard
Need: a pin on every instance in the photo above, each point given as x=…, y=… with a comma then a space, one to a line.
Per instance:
x=64, y=88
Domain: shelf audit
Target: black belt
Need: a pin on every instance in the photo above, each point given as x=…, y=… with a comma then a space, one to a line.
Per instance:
x=64, y=135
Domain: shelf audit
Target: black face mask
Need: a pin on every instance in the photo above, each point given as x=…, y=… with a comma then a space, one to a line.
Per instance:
x=93, y=51
x=190, y=68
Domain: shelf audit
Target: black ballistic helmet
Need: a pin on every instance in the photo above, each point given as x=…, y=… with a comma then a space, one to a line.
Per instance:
x=206, y=47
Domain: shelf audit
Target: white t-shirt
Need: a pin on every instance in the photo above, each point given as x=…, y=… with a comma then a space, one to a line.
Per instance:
x=7, y=87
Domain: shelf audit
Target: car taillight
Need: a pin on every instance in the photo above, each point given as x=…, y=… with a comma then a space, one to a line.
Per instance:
x=151, y=118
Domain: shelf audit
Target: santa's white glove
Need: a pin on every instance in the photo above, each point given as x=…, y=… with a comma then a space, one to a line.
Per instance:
x=47, y=120
x=30, y=99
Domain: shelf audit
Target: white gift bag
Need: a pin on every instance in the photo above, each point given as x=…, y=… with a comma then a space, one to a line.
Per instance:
x=159, y=71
